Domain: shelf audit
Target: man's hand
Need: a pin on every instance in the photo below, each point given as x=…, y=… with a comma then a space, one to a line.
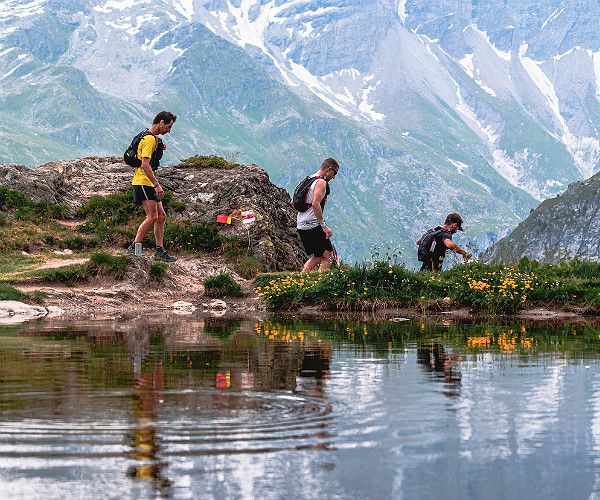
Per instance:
x=159, y=191
x=467, y=256
x=327, y=232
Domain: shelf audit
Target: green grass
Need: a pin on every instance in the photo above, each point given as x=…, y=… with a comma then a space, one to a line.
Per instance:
x=158, y=270
x=67, y=275
x=115, y=217
x=210, y=161
x=201, y=237
x=100, y=264
x=104, y=263
x=8, y=292
x=20, y=207
x=490, y=288
x=222, y=285
x=11, y=263
x=246, y=264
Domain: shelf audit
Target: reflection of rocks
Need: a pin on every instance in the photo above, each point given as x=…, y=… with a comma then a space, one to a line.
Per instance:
x=195, y=350
x=215, y=305
x=183, y=306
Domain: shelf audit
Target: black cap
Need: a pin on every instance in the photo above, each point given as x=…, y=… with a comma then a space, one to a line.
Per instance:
x=452, y=218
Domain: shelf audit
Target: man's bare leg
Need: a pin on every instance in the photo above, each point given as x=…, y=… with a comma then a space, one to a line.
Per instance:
x=311, y=264
x=326, y=261
x=159, y=225
x=150, y=207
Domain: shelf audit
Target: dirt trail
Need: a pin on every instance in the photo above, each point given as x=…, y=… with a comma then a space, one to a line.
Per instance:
x=51, y=264
x=182, y=281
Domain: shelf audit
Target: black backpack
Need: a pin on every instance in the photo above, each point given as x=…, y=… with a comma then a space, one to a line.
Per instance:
x=301, y=193
x=426, y=246
x=130, y=155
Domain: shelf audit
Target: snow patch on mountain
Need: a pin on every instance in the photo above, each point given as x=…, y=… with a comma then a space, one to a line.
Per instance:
x=112, y=5
x=317, y=87
x=553, y=16
x=185, y=8
x=460, y=166
x=402, y=10
x=20, y=9
x=463, y=169
x=585, y=150
x=469, y=67
x=487, y=132
x=558, y=57
x=541, y=81
x=509, y=168
x=7, y=51
x=596, y=62
x=506, y=56
x=467, y=64
x=365, y=107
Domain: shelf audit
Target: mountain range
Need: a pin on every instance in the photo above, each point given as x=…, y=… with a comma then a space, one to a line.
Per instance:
x=480, y=107
x=559, y=229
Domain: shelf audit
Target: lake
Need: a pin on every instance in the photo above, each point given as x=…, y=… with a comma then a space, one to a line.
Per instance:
x=209, y=407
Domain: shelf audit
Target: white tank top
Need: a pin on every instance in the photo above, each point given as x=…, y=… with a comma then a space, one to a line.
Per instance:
x=308, y=219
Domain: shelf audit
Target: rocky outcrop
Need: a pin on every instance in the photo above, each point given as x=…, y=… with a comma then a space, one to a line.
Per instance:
x=206, y=192
x=559, y=229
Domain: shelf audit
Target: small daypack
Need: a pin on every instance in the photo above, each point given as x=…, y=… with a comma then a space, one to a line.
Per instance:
x=130, y=155
x=427, y=244
x=301, y=193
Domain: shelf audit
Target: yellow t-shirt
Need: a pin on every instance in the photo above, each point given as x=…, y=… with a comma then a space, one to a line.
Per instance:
x=146, y=147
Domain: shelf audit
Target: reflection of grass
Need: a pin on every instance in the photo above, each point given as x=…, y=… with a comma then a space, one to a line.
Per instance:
x=221, y=327
x=384, y=336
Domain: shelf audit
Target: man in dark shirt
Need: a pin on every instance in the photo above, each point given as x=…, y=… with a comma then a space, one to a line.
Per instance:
x=442, y=241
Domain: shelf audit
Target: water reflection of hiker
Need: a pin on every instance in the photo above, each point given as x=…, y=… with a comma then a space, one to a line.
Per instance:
x=310, y=197
x=315, y=369
x=148, y=392
x=433, y=359
x=434, y=243
x=147, y=191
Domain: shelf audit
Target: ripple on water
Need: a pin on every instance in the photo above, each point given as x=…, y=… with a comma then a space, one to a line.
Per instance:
x=185, y=422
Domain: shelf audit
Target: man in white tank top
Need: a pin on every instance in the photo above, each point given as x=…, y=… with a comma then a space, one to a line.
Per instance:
x=315, y=235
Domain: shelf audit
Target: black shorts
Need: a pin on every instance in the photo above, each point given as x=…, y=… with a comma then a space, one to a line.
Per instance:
x=141, y=193
x=432, y=265
x=315, y=242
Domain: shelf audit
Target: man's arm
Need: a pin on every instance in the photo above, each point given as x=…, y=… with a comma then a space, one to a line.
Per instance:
x=150, y=174
x=457, y=249
x=318, y=195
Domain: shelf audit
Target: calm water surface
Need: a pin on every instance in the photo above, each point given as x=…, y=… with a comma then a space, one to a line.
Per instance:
x=227, y=408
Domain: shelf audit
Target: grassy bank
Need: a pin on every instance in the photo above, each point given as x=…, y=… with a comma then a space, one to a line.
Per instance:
x=490, y=288
x=32, y=232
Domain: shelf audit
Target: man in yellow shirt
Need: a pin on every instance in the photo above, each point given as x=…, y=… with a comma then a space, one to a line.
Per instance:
x=147, y=191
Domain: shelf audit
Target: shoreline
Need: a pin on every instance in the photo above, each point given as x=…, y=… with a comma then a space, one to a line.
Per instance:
x=249, y=307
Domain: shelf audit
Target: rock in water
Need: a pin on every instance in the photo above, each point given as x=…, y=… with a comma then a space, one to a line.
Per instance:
x=12, y=312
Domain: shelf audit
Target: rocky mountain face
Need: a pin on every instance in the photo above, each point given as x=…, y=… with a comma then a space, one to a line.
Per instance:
x=559, y=229
x=484, y=108
x=206, y=192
